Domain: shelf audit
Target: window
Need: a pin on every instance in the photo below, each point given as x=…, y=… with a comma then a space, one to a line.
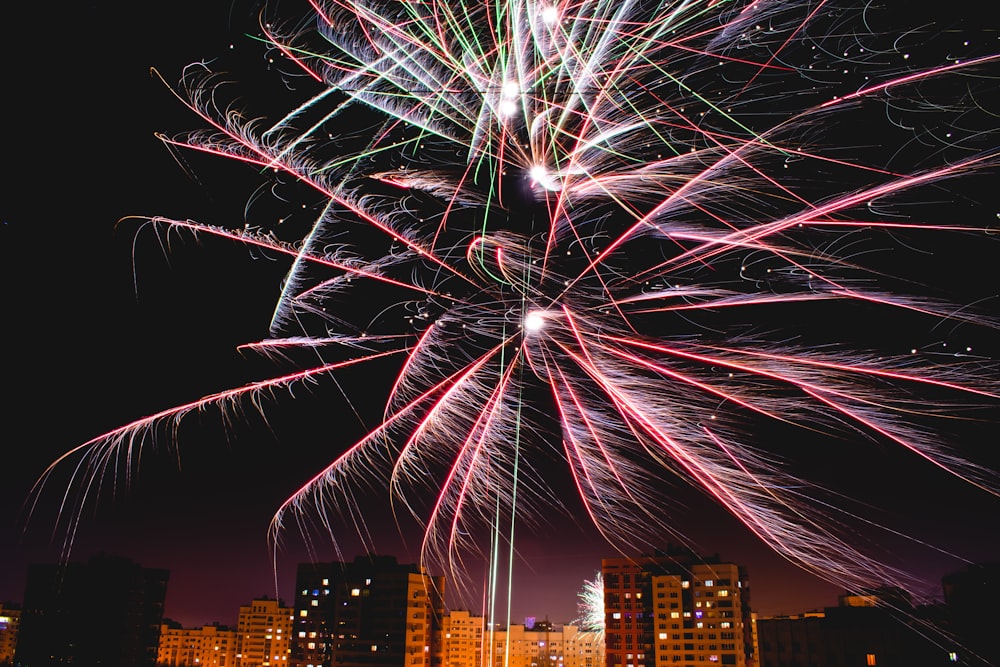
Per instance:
x=870, y=659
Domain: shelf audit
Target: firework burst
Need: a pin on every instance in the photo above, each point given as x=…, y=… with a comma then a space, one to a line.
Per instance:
x=591, y=606
x=646, y=210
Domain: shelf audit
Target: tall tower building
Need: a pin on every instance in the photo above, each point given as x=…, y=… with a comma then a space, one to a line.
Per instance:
x=103, y=613
x=264, y=634
x=207, y=646
x=676, y=609
x=372, y=612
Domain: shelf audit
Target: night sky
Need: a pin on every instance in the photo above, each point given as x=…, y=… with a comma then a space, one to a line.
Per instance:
x=102, y=327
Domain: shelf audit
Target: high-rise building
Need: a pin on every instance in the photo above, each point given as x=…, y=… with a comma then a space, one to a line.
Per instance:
x=463, y=639
x=470, y=642
x=207, y=646
x=676, y=609
x=103, y=613
x=264, y=634
x=543, y=644
x=10, y=620
x=584, y=648
x=372, y=612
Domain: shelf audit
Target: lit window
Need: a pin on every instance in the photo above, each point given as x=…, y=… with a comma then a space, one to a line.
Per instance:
x=326, y=582
x=616, y=615
x=685, y=584
x=663, y=635
x=314, y=603
x=725, y=624
x=723, y=593
x=953, y=657
x=355, y=592
x=374, y=648
x=709, y=582
x=870, y=659
x=303, y=612
x=675, y=614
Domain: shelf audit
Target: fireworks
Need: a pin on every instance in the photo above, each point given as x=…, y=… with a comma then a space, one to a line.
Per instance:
x=591, y=606
x=645, y=214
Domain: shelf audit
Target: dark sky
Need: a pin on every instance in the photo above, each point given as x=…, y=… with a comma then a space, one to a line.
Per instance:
x=102, y=328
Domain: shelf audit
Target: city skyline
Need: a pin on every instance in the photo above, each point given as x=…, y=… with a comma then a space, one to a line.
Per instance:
x=91, y=349
x=675, y=607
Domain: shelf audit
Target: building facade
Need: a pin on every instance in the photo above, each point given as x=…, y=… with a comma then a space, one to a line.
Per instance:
x=676, y=609
x=372, y=612
x=463, y=639
x=10, y=621
x=264, y=634
x=470, y=642
x=207, y=646
x=544, y=644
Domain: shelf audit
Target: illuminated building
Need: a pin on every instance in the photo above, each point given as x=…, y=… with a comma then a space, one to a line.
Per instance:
x=676, y=609
x=107, y=611
x=584, y=648
x=372, y=612
x=470, y=643
x=207, y=646
x=10, y=619
x=544, y=645
x=263, y=634
x=463, y=639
